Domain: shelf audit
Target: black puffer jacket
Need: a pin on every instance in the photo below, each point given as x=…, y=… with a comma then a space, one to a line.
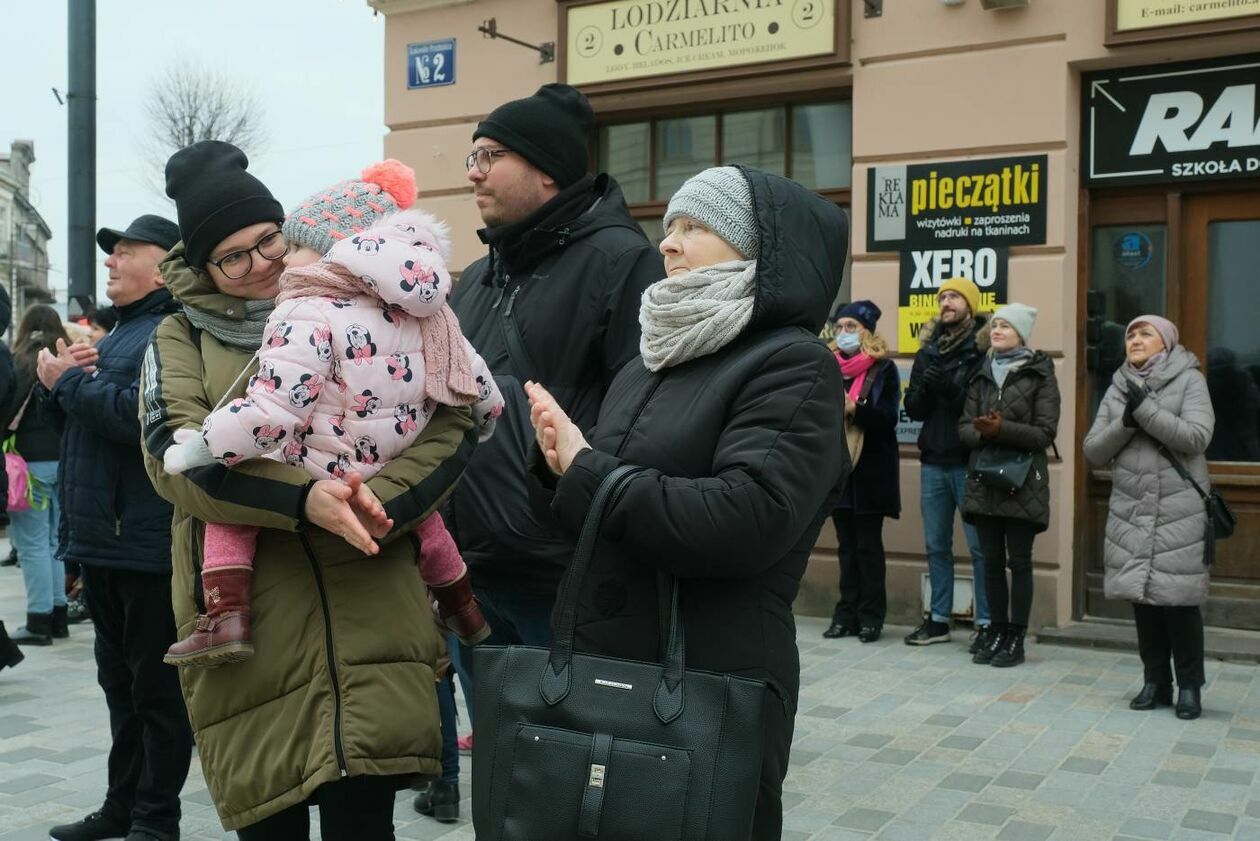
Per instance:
x=874, y=486
x=1029, y=405
x=742, y=448
x=939, y=410
x=113, y=517
x=569, y=279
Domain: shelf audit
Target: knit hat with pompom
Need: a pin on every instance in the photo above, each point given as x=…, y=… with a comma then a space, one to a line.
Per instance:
x=349, y=207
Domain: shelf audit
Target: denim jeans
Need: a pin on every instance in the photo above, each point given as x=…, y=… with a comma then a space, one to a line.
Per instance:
x=34, y=535
x=941, y=496
x=515, y=618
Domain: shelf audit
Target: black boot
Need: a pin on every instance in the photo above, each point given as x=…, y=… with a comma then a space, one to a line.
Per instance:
x=1012, y=651
x=439, y=801
x=1189, y=703
x=10, y=654
x=990, y=639
x=38, y=630
x=11, y=560
x=1152, y=695
x=60, y=626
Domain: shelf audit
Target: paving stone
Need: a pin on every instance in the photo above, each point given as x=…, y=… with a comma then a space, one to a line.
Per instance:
x=1180, y=779
x=1209, y=821
x=17, y=725
x=826, y=711
x=1243, y=733
x=24, y=754
x=894, y=756
x=1228, y=775
x=986, y=813
x=1194, y=749
x=18, y=785
x=1025, y=831
x=1019, y=779
x=1081, y=765
x=960, y=742
x=1079, y=680
x=869, y=820
x=1147, y=828
x=942, y=720
x=1253, y=809
x=869, y=740
x=965, y=782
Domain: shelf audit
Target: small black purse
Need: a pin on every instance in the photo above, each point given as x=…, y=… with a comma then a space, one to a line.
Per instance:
x=1221, y=521
x=1002, y=468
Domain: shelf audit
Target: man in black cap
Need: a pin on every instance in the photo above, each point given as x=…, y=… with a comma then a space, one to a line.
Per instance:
x=556, y=300
x=118, y=529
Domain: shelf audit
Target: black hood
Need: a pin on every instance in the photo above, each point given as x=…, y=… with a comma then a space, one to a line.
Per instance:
x=804, y=242
x=6, y=310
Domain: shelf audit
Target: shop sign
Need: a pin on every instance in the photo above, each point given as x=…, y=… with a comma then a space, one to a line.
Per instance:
x=431, y=64
x=962, y=204
x=907, y=429
x=1149, y=14
x=1166, y=123
x=923, y=272
x=632, y=39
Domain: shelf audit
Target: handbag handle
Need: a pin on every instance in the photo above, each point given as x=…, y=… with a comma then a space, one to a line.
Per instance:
x=557, y=674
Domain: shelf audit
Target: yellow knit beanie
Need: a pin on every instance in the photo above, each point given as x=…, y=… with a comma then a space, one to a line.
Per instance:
x=964, y=287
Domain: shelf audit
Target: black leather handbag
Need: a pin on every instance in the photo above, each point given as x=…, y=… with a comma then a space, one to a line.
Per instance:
x=1221, y=521
x=1002, y=468
x=579, y=746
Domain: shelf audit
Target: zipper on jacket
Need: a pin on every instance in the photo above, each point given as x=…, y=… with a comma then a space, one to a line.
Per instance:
x=328, y=651
x=625, y=439
x=507, y=310
x=507, y=281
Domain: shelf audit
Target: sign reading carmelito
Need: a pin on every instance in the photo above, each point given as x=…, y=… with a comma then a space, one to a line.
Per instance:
x=1147, y=14
x=633, y=39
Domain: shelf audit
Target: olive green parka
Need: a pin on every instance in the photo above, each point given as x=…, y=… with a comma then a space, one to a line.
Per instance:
x=342, y=678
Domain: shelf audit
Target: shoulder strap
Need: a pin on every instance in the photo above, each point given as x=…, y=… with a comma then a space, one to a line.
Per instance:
x=17, y=419
x=1181, y=471
x=522, y=363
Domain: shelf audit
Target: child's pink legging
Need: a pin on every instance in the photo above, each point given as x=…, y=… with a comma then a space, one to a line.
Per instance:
x=440, y=561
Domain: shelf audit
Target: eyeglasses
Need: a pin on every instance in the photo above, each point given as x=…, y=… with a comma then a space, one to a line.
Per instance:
x=483, y=159
x=237, y=264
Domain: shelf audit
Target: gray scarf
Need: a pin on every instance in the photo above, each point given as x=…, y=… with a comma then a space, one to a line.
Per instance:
x=246, y=334
x=697, y=313
x=1005, y=361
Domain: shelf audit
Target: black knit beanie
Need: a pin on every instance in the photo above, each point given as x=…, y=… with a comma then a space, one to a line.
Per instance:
x=547, y=129
x=215, y=197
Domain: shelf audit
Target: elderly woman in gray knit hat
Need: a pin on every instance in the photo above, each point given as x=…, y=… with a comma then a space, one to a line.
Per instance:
x=731, y=410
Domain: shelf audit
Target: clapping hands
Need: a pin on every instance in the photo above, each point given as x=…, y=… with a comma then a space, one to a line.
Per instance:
x=558, y=437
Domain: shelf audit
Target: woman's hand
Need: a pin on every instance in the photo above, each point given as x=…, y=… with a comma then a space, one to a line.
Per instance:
x=988, y=424
x=558, y=437
x=849, y=406
x=328, y=505
x=368, y=508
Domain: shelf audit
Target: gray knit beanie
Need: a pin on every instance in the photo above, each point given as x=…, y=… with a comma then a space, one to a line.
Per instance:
x=719, y=198
x=1020, y=316
x=346, y=208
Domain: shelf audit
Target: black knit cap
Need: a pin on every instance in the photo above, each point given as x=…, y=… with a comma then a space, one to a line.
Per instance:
x=215, y=197
x=547, y=129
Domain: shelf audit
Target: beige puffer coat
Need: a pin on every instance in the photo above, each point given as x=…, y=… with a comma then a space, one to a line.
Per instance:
x=1156, y=527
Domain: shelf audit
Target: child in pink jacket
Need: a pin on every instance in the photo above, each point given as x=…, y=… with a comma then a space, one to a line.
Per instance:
x=358, y=353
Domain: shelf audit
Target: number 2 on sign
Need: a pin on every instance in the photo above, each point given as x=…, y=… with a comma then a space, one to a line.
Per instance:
x=429, y=68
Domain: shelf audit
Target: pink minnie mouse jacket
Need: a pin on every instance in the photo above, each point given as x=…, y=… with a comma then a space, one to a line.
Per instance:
x=341, y=374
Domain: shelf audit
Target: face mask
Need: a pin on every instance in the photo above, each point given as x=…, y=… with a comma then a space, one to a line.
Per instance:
x=848, y=342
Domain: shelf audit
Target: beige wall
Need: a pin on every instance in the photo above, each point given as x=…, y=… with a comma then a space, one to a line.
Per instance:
x=930, y=82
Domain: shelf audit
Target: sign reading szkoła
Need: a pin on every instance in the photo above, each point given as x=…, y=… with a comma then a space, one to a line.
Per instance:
x=632, y=39
x=922, y=273
x=959, y=204
x=1171, y=122
x=431, y=64
x=1147, y=14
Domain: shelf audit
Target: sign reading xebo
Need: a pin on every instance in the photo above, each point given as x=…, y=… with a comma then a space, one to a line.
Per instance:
x=923, y=272
x=1154, y=125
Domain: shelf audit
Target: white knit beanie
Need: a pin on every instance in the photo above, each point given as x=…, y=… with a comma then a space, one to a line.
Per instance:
x=720, y=198
x=1020, y=316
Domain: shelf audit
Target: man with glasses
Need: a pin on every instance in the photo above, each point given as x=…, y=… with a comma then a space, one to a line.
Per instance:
x=119, y=530
x=556, y=301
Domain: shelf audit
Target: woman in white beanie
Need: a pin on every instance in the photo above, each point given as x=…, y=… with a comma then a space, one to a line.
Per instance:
x=1010, y=417
x=731, y=411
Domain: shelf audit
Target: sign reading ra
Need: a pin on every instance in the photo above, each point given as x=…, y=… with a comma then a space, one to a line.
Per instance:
x=1153, y=125
x=960, y=204
x=431, y=64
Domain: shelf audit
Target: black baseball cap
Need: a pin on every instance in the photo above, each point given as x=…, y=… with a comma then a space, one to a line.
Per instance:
x=149, y=228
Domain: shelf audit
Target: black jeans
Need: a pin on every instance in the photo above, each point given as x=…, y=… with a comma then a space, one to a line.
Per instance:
x=352, y=809
x=1175, y=632
x=1007, y=542
x=863, y=596
x=152, y=742
x=778, y=721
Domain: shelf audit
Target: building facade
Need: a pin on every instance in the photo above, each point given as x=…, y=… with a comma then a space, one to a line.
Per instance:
x=24, y=234
x=1094, y=158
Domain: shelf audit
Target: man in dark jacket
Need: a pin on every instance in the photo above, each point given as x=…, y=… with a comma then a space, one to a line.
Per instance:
x=118, y=529
x=951, y=351
x=557, y=301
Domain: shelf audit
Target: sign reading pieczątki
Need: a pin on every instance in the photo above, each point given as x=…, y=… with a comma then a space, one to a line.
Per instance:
x=961, y=204
x=619, y=40
x=1166, y=123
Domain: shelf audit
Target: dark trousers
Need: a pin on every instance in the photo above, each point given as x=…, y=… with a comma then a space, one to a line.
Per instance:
x=1175, y=632
x=863, y=597
x=1007, y=543
x=351, y=809
x=778, y=723
x=152, y=742
x=515, y=618
x=450, y=739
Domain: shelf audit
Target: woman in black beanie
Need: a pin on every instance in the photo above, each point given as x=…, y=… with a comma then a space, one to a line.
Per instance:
x=336, y=709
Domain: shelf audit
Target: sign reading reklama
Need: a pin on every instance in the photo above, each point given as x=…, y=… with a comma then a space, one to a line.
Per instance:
x=960, y=204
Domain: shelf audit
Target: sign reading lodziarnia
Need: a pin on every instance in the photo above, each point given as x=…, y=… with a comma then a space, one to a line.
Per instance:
x=1171, y=122
x=1148, y=14
x=960, y=204
x=631, y=39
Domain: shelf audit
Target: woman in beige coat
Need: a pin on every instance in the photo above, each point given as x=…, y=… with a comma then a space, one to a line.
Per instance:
x=1158, y=406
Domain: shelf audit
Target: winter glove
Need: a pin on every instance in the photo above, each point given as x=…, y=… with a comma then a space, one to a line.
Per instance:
x=988, y=425
x=933, y=376
x=1136, y=394
x=189, y=450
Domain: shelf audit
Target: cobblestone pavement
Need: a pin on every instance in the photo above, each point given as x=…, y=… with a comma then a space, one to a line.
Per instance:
x=892, y=742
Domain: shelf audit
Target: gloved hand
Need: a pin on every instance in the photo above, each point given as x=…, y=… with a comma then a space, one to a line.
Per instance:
x=189, y=450
x=1137, y=394
x=933, y=376
x=988, y=425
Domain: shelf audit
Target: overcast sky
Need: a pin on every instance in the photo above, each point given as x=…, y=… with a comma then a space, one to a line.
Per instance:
x=316, y=64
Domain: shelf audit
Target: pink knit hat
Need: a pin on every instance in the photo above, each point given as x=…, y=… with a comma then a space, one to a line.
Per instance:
x=1165, y=328
x=347, y=208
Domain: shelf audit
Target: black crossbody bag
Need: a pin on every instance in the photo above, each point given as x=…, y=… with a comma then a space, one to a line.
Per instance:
x=581, y=746
x=1220, y=520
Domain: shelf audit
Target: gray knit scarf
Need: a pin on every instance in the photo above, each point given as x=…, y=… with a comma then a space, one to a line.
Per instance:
x=697, y=313
x=246, y=334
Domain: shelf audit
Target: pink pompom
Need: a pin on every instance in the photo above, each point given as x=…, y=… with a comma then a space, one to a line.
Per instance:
x=395, y=178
